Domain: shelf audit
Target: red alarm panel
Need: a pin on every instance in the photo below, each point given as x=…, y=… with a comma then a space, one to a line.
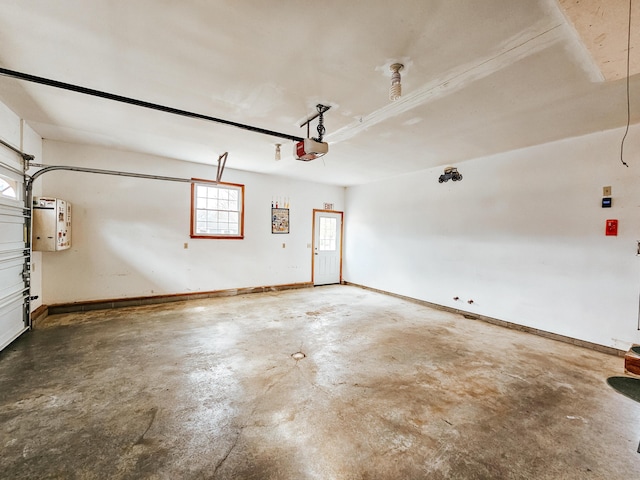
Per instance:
x=611, y=228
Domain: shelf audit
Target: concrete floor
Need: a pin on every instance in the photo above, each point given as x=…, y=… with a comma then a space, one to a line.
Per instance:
x=389, y=389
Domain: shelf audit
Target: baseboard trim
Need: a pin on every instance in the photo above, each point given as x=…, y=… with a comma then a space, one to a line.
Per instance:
x=502, y=323
x=39, y=314
x=151, y=300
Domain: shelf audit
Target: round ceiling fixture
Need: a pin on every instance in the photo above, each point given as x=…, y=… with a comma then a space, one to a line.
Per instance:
x=395, y=91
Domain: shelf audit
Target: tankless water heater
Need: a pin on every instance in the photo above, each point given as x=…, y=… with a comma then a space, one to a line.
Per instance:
x=51, y=224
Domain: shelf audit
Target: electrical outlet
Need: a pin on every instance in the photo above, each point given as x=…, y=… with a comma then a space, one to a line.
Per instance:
x=606, y=191
x=186, y=245
x=284, y=245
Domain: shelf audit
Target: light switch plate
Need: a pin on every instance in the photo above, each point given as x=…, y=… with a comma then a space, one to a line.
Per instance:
x=606, y=191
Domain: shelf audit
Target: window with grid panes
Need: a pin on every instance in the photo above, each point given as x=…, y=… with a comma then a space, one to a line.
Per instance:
x=8, y=187
x=328, y=234
x=217, y=210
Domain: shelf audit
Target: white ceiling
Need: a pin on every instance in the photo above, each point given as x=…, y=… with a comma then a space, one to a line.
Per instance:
x=479, y=78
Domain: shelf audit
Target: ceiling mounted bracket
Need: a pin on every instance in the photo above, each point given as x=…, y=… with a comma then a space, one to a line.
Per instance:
x=320, y=116
x=312, y=148
x=222, y=161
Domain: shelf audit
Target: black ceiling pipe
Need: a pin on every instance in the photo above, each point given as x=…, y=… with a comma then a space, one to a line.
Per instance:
x=139, y=103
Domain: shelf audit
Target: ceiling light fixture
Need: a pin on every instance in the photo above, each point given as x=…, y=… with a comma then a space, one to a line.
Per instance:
x=395, y=91
x=278, y=157
x=450, y=173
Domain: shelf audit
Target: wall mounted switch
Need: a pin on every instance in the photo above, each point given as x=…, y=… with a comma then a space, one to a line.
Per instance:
x=606, y=191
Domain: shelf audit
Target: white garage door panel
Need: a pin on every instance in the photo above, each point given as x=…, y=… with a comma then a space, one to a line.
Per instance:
x=14, y=257
x=11, y=280
x=11, y=320
x=11, y=235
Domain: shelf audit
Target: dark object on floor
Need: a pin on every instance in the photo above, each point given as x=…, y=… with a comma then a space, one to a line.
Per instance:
x=629, y=387
x=632, y=360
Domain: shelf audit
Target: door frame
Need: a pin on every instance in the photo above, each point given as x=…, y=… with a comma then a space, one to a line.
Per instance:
x=313, y=240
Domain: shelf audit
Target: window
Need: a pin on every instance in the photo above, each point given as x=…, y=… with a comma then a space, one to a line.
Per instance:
x=8, y=187
x=328, y=234
x=217, y=210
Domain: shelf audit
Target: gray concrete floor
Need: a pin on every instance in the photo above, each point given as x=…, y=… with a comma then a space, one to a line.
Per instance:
x=389, y=389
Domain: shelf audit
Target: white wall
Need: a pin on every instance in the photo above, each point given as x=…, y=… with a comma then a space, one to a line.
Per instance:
x=522, y=235
x=128, y=234
x=9, y=126
x=20, y=135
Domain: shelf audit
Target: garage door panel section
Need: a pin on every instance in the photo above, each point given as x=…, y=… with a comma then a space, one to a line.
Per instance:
x=12, y=234
x=11, y=320
x=11, y=276
x=14, y=254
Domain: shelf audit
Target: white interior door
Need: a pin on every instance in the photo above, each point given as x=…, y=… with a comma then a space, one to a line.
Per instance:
x=14, y=251
x=327, y=247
